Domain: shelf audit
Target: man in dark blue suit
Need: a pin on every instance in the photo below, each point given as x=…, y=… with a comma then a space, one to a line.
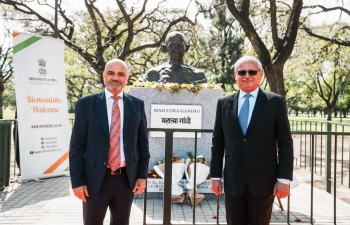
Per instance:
x=94, y=181
x=250, y=126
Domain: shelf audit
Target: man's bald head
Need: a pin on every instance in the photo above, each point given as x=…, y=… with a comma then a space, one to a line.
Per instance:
x=117, y=61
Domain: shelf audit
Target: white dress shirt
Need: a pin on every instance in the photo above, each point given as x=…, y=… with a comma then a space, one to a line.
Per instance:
x=109, y=104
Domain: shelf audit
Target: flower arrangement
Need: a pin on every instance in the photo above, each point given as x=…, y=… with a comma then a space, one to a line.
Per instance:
x=200, y=159
x=174, y=159
x=181, y=166
x=201, y=175
x=153, y=174
x=178, y=169
x=175, y=87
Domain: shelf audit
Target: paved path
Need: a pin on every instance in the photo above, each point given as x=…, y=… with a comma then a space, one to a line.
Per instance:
x=52, y=202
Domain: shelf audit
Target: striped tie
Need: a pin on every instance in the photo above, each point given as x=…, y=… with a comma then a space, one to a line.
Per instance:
x=244, y=113
x=114, y=133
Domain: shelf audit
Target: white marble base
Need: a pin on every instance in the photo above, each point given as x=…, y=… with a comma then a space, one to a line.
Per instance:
x=207, y=98
x=157, y=185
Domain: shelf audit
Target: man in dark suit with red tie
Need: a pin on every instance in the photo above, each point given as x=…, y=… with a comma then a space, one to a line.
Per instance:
x=109, y=152
x=252, y=136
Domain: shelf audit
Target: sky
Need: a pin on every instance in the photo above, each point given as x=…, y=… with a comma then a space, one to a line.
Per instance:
x=329, y=17
x=180, y=4
x=74, y=5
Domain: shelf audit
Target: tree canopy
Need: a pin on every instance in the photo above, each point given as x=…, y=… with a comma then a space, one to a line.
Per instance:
x=279, y=33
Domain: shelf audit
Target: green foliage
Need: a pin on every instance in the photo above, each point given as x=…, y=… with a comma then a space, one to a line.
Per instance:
x=315, y=76
x=221, y=45
x=81, y=79
x=200, y=159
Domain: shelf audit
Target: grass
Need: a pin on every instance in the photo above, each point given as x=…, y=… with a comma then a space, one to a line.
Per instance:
x=318, y=118
x=303, y=117
x=311, y=125
x=8, y=113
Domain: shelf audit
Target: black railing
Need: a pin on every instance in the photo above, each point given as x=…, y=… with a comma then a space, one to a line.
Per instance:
x=313, y=136
x=323, y=150
x=5, y=146
x=169, y=137
x=168, y=171
x=7, y=143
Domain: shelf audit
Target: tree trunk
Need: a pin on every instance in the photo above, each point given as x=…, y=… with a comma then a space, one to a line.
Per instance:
x=1, y=112
x=282, y=47
x=274, y=75
x=329, y=114
x=2, y=88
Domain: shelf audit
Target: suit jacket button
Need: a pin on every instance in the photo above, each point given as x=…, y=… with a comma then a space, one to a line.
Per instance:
x=244, y=140
x=104, y=163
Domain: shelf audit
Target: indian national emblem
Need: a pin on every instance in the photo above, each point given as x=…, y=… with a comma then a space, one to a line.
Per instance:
x=42, y=64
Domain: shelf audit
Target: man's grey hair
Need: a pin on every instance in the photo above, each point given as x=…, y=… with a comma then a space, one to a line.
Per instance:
x=248, y=59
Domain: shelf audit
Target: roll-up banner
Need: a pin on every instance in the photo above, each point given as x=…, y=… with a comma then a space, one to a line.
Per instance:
x=42, y=111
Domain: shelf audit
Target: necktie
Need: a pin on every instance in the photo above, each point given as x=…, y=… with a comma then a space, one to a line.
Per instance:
x=114, y=134
x=244, y=113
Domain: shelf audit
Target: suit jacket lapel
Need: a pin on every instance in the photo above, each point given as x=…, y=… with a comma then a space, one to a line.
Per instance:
x=127, y=112
x=259, y=104
x=102, y=112
x=235, y=112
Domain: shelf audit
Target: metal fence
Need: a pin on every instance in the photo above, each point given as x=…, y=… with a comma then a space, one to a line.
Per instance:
x=331, y=145
x=310, y=144
x=5, y=147
x=324, y=150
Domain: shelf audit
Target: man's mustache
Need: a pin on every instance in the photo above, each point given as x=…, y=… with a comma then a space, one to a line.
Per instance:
x=118, y=82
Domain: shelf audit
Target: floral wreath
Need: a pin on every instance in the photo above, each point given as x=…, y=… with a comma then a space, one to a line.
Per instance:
x=200, y=159
x=175, y=87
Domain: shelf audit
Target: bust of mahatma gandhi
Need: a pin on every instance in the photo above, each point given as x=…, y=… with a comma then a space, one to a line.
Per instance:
x=175, y=70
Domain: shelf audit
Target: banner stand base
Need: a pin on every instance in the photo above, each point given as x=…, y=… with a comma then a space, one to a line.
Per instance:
x=43, y=176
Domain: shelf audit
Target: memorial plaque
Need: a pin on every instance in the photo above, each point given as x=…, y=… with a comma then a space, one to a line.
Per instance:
x=176, y=117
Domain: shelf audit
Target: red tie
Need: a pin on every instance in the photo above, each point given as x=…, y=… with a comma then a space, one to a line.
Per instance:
x=114, y=141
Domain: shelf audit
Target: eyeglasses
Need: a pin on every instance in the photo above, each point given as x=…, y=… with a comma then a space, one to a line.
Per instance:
x=250, y=72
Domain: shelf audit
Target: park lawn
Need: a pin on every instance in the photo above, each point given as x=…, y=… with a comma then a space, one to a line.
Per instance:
x=318, y=118
x=8, y=113
x=304, y=117
x=304, y=123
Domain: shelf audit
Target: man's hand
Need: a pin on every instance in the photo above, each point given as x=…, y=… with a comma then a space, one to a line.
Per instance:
x=281, y=190
x=140, y=186
x=216, y=187
x=81, y=192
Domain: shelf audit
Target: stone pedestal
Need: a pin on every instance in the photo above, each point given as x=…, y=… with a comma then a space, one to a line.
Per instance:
x=207, y=98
